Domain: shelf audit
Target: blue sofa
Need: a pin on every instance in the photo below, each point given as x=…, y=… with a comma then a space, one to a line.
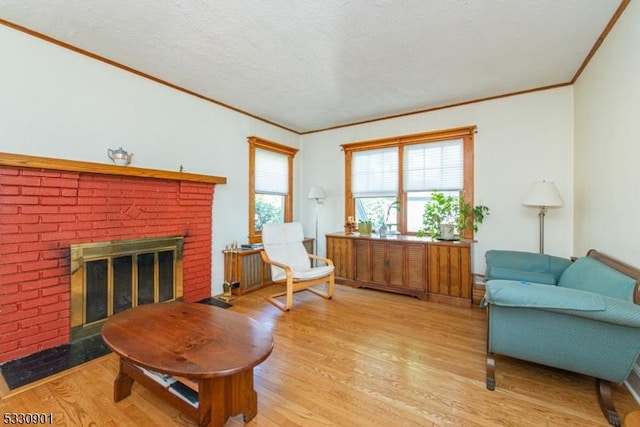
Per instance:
x=580, y=316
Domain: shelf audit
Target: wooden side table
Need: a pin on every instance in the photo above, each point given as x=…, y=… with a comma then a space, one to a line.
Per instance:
x=215, y=348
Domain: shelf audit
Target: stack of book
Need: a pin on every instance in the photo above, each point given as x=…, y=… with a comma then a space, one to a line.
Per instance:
x=185, y=392
x=184, y=388
x=251, y=246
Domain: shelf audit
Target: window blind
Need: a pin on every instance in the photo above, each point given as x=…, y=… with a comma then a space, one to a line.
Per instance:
x=374, y=173
x=271, y=172
x=434, y=166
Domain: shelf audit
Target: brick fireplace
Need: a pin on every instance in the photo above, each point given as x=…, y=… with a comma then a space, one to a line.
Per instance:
x=46, y=205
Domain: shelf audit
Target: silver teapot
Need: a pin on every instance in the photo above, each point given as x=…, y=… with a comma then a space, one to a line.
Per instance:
x=119, y=156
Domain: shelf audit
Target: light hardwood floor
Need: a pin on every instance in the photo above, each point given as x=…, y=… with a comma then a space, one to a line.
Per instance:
x=365, y=358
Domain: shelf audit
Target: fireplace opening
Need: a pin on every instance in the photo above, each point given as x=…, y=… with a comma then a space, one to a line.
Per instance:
x=110, y=277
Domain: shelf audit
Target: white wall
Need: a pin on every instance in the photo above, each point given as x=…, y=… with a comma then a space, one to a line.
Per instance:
x=520, y=140
x=607, y=146
x=57, y=103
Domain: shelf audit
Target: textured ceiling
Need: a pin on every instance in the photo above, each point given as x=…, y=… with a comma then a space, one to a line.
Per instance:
x=309, y=64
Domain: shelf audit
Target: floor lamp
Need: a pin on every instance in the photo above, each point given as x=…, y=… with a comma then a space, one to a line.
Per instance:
x=543, y=195
x=316, y=193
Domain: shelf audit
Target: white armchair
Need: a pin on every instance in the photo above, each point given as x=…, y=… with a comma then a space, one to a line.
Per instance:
x=291, y=264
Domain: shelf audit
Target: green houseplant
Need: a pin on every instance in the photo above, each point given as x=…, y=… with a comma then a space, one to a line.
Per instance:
x=444, y=215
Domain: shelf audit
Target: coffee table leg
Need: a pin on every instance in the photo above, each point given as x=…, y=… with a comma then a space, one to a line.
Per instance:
x=122, y=384
x=228, y=396
x=244, y=397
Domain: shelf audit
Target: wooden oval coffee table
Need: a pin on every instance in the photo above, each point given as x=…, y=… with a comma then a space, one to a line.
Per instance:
x=214, y=348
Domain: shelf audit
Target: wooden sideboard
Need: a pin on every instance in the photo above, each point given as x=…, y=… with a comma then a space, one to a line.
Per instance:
x=426, y=268
x=245, y=266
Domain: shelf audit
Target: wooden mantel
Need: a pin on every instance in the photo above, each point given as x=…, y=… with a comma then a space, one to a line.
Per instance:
x=34, y=162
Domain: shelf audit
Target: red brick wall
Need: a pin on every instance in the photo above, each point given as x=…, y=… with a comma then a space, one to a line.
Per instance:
x=43, y=212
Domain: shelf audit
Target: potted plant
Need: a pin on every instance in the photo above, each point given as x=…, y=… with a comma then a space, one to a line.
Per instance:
x=445, y=215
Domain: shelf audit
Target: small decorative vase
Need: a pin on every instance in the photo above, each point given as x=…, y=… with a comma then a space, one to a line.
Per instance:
x=364, y=228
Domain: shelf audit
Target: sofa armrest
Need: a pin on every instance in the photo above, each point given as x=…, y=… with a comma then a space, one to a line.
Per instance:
x=511, y=293
x=588, y=305
x=618, y=312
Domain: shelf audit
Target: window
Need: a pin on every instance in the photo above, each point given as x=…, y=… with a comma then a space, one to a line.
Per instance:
x=430, y=167
x=374, y=184
x=270, y=185
x=402, y=172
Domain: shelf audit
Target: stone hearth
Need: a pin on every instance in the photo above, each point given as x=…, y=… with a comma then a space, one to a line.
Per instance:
x=48, y=204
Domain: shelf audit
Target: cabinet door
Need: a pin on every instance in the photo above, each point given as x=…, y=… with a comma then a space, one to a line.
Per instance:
x=438, y=269
x=340, y=251
x=363, y=260
x=379, y=262
x=450, y=270
x=396, y=265
x=416, y=267
x=460, y=272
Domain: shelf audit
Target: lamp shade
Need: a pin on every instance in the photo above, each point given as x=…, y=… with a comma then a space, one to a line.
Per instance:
x=316, y=193
x=543, y=193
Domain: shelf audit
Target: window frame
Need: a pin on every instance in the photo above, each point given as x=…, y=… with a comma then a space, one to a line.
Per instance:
x=255, y=236
x=466, y=133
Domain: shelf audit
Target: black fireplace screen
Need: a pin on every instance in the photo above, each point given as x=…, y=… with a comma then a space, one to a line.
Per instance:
x=109, y=277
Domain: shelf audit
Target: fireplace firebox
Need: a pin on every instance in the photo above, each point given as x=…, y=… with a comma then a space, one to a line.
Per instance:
x=110, y=277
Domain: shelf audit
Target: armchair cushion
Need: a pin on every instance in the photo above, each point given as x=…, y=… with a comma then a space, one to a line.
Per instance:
x=284, y=243
x=591, y=275
x=313, y=273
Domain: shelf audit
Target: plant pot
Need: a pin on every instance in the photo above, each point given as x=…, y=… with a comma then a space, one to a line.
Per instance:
x=364, y=228
x=446, y=232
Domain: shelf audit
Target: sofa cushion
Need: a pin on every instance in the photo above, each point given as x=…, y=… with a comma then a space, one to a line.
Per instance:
x=529, y=276
x=518, y=260
x=510, y=293
x=525, y=261
x=590, y=275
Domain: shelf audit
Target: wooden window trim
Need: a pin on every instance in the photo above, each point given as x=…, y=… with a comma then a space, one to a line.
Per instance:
x=255, y=236
x=466, y=133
